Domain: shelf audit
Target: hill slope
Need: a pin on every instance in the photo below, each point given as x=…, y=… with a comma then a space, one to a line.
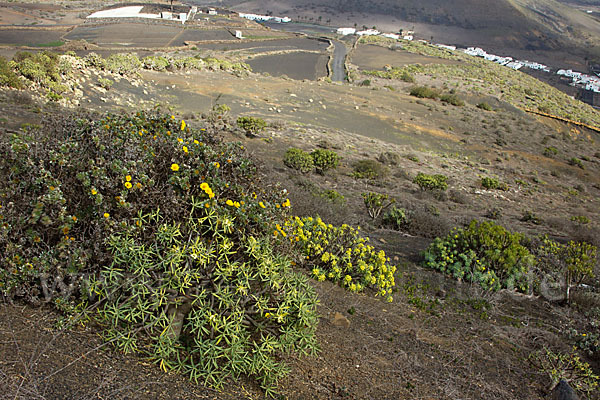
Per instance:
x=504, y=25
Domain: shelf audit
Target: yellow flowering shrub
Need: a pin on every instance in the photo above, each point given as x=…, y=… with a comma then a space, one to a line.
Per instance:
x=339, y=254
x=173, y=249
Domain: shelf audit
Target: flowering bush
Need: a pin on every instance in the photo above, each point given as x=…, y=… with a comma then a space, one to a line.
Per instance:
x=485, y=253
x=340, y=255
x=166, y=231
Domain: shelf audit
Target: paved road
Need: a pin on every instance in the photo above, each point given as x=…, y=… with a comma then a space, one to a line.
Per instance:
x=339, y=57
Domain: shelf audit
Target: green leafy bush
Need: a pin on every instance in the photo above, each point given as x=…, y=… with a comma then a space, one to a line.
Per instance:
x=164, y=231
x=453, y=99
x=156, y=63
x=376, y=203
x=123, y=63
x=431, y=182
x=324, y=160
x=485, y=106
x=252, y=125
x=493, y=184
x=576, y=162
x=298, y=159
x=424, y=92
x=484, y=253
x=8, y=76
x=340, y=255
x=570, y=367
x=41, y=68
x=94, y=60
x=105, y=83
x=396, y=218
x=369, y=169
x=550, y=151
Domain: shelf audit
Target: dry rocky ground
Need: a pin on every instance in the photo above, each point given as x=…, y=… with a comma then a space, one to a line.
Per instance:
x=439, y=339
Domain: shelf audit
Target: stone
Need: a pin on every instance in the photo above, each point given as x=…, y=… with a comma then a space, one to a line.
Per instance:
x=563, y=391
x=340, y=320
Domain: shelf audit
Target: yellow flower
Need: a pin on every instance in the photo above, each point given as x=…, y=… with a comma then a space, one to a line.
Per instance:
x=128, y=185
x=172, y=117
x=236, y=204
x=196, y=142
x=74, y=218
x=261, y=204
x=217, y=165
x=185, y=149
x=106, y=215
x=128, y=178
x=204, y=186
x=94, y=192
x=207, y=205
x=180, y=140
x=138, y=185
x=182, y=125
x=174, y=167
x=229, y=203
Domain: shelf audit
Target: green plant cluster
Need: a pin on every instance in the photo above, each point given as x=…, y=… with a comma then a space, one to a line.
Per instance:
x=484, y=253
x=588, y=342
x=396, y=218
x=320, y=160
x=431, y=182
x=376, y=203
x=401, y=74
x=252, y=125
x=165, y=231
x=576, y=162
x=493, y=184
x=369, y=169
x=340, y=255
x=424, y=92
x=573, y=262
x=452, y=98
x=550, y=151
x=298, y=159
x=324, y=160
x=484, y=106
x=580, y=219
x=129, y=63
x=570, y=367
x=8, y=77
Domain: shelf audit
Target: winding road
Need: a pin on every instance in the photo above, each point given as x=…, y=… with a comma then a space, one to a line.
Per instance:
x=338, y=68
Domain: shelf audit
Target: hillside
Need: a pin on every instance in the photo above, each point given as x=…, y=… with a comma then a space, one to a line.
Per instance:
x=186, y=214
x=519, y=27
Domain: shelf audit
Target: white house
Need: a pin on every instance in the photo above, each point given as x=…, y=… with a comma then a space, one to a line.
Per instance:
x=238, y=34
x=368, y=32
x=408, y=37
x=391, y=36
x=212, y=11
x=346, y=31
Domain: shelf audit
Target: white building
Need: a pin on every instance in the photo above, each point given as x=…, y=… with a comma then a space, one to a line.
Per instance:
x=391, y=36
x=447, y=47
x=368, y=32
x=258, y=17
x=408, y=37
x=346, y=31
x=238, y=34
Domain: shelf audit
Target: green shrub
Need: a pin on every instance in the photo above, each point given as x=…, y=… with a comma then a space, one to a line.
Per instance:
x=41, y=68
x=406, y=76
x=123, y=63
x=452, y=99
x=396, y=218
x=164, y=232
x=570, y=367
x=493, y=184
x=340, y=255
x=155, y=63
x=252, y=125
x=550, y=151
x=580, y=219
x=369, y=169
x=94, y=60
x=376, y=203
x=105, y=83
x=485, y=106
x=424, y=92
x=366, y=82
x=570, y=264
x=298, y=159
x=484, y=253
x=431, y=182
x=576, y=162
x=324, y=160
x=333, y=196
x=8, y=76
